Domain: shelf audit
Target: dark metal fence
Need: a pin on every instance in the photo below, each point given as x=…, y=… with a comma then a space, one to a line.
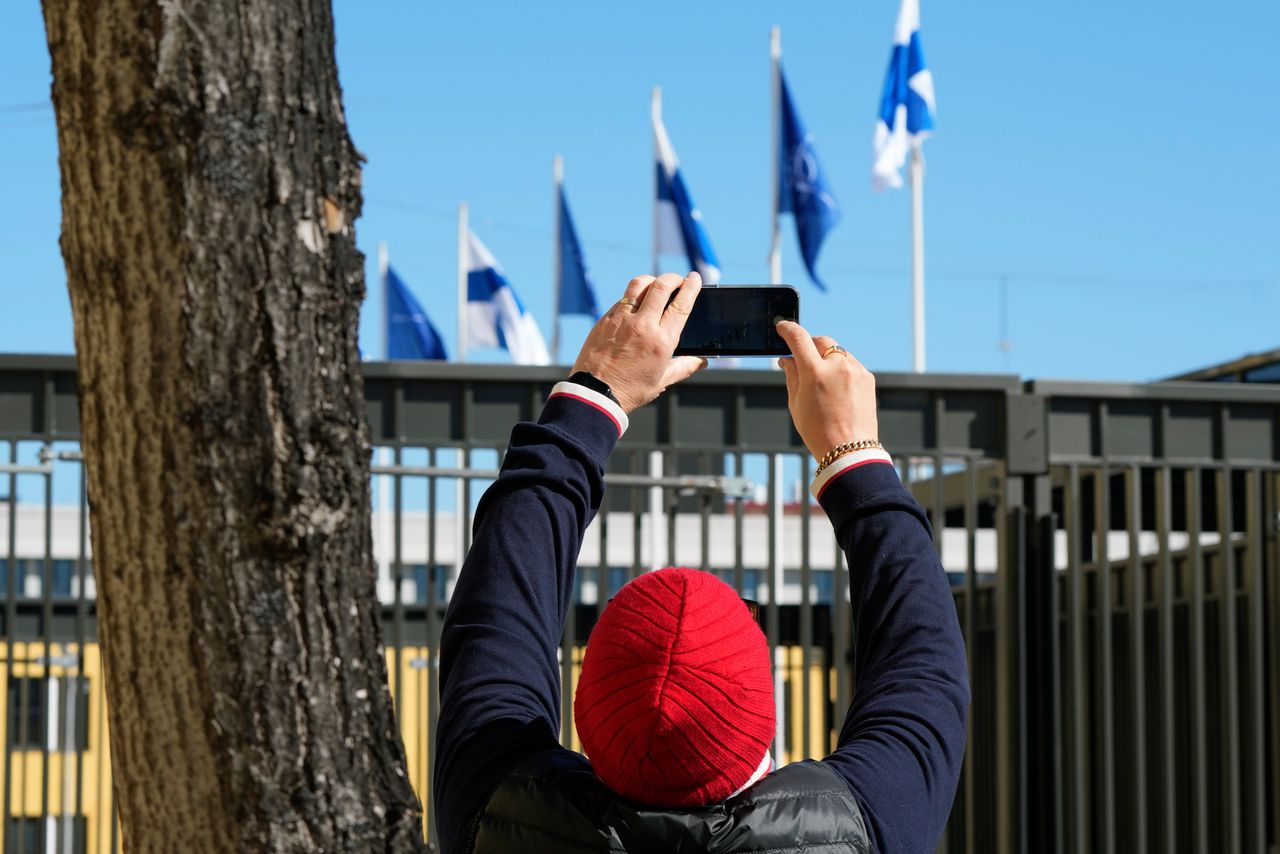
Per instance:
x=1112, y=550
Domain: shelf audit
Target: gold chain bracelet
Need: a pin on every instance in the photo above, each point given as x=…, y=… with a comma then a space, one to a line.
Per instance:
x=847, y=448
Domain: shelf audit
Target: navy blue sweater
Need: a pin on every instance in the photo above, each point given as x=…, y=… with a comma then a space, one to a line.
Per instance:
x=903, y=739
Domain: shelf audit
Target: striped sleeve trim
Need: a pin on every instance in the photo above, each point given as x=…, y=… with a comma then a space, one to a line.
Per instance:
x=847, y=463
x=595, y=399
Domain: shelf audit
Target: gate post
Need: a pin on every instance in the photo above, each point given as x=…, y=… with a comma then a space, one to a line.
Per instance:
x=1028, y=657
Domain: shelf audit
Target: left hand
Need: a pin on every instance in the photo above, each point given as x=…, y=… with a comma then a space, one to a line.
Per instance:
x=630, y=347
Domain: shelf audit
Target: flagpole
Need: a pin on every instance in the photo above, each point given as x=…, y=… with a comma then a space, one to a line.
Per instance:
x=655, y=113
x=386, y=300
x=462, y=281
x=557, y=169
x=917, y=260
x=384, y=547
x=775, y=246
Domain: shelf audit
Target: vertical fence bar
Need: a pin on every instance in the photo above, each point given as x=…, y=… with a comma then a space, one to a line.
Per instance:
x=1165, y=590
x=46, y=671
x=1010, y=777
x=10, y=614
x=1231, y=676
x=704, y=516
x=772, y=616
x=1075, y=642
x=1106, y=734
x=82, y=573
x=1272, y=588
x=1199, y=701
x=740, y=470
x=432, y=651
x=397, y=569
x=971, y=646
x=841, y=639
x=1255, y=729
x=637, y=518
x=1137, y=655
x=602, y=563
x=806, y=611
x=671, y=500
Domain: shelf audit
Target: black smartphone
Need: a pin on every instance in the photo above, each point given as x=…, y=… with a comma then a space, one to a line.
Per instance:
x=738, y=320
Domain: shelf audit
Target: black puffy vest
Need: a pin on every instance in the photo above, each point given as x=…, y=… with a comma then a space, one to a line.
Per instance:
x=553, y=803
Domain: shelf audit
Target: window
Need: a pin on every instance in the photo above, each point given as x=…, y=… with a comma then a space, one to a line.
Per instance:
x=422, y=583
x=61, y=833
x=29, y=727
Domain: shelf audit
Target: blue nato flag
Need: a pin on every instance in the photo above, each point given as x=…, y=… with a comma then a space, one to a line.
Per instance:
x=803, y=189
x=577, y=296
x=410, y=334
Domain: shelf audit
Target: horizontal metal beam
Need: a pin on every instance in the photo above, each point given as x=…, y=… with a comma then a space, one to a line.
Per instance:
x=734, y=487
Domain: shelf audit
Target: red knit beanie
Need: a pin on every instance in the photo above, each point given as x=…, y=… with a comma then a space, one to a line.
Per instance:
x=675, y=702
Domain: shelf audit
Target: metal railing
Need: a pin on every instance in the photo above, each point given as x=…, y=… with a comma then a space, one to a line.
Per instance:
x=1061, y=511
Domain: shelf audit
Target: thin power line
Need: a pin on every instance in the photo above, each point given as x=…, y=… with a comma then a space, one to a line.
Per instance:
x=997, y=276
x=32, y=107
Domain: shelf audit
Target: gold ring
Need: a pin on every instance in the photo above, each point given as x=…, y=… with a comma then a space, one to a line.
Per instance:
x=631, y=301
x=834, y=348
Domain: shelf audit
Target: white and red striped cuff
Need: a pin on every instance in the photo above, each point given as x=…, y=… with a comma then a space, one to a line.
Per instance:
x=844, y=464
x=593, y=398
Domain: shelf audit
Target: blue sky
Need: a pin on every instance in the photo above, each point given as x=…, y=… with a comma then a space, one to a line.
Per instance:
x=1117, y=161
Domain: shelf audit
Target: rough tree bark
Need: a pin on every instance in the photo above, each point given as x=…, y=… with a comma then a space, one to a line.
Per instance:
x=209, y=187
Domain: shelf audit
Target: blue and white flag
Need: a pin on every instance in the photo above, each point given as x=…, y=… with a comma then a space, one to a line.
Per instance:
x=495, y=315
x=577, y=296
x=906, y=105
x=410, y=333
x=802, y=186
x=677, y=222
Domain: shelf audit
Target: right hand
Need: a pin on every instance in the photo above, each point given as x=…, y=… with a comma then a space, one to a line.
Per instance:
x=832, y=400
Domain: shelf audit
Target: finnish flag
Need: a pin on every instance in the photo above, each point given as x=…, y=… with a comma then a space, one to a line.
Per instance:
x=906, y=104
x=495, y=315
x=677, y=222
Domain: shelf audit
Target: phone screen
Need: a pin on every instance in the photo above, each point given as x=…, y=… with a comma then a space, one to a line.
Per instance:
x=738, y=320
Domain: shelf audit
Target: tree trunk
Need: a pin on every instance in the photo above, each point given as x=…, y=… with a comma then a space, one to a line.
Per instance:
x=209, y=188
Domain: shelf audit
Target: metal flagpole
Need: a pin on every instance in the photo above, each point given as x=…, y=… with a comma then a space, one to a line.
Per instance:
x=462, y=281
x=557, y=273
x=386, y=300
x=655, y=112
x=917, y=260
x=383, y=549
x=775, y=247
x=656, y=462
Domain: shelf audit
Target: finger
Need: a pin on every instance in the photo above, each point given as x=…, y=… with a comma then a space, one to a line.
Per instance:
x=654, y=301
x=823, y=343
x=681, y=368
x=793, y=378
x=636, y=287
x=678, y=312
x=800, y=344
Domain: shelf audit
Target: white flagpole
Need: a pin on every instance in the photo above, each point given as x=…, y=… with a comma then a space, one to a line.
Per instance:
x=557, y=272
x=462, y=281
x=655, y=112
x=775, y=247
x=655, y=458
x=386, y=300
x=917, y=260
x=384, y=548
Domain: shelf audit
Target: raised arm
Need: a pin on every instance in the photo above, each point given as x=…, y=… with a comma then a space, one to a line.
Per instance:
x=903, y=739
x=499, y=675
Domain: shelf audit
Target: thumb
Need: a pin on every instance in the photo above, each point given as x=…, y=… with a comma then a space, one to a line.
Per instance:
x=681, y=368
